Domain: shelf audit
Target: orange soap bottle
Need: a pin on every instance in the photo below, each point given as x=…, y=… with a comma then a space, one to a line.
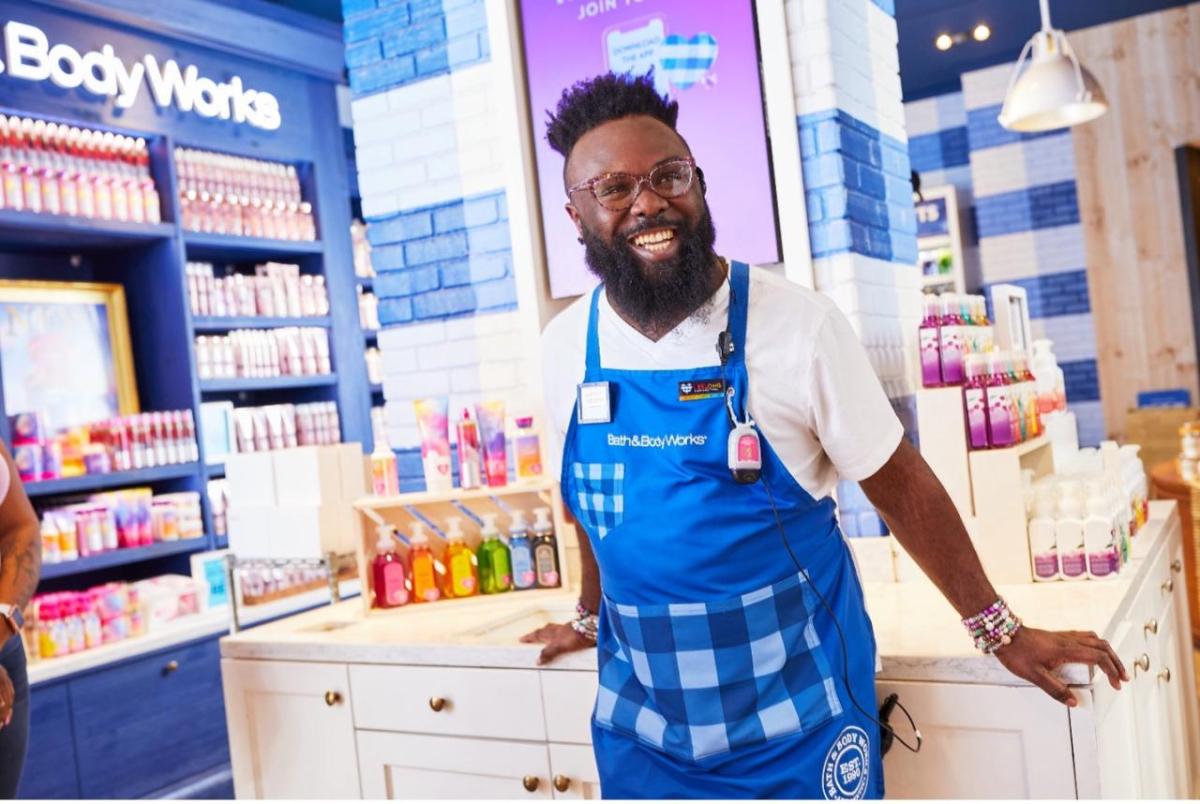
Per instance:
x=462, y=577
x=422, y=564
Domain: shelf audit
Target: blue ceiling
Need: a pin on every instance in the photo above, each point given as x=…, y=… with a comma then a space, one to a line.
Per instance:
x=925, y=70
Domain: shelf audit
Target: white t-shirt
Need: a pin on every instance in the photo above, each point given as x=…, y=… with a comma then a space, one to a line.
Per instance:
x=813, y=392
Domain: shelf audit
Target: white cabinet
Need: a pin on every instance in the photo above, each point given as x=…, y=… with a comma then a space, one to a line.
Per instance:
x=1116, y=740
x=574, y=771
x=419, y=766
x=981, y=741
x=291, y=735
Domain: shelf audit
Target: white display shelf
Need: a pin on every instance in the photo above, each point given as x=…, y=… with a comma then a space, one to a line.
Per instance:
x=261, y=613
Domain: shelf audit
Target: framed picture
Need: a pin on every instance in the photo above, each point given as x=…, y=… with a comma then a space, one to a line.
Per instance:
x=65, y=351
x=1010, y=305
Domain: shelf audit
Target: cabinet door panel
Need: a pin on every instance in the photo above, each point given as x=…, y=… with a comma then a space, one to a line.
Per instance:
x=291, y=733
x=420, y=766
x=1019, y=729
x=569, y=698
x=50, y=767
x=1114, y=726
x=574, y=766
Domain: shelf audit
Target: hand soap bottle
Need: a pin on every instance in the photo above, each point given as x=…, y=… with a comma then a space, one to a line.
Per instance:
x=423, y=567
x=524, y=573
x=495, y=569
x=1069, y=535
x=1043, y=543
x=1099, y=536
x=545, y=550
x=388, y=572
x=461, y=577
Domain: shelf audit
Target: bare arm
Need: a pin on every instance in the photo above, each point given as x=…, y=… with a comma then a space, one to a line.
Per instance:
x=20, y=542
x=924, y=520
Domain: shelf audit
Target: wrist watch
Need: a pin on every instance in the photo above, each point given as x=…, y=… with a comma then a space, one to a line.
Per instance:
x=12, y=615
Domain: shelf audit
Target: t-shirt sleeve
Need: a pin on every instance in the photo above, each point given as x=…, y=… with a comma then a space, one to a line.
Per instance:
x=556, y=382
x=854, y=421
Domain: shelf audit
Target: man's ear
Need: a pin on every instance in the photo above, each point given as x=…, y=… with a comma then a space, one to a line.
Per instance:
x=703, y=184
x=573, y=214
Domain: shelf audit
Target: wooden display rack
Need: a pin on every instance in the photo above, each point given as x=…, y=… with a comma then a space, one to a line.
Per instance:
x=468, y=505
x=985, y=485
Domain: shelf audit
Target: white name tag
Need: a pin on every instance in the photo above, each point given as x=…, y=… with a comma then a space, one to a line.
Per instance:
x=594, y=405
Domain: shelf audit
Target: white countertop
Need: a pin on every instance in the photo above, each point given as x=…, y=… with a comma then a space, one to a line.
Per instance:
x=919, y=635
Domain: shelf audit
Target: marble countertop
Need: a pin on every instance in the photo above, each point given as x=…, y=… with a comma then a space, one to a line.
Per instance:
x=919, y=635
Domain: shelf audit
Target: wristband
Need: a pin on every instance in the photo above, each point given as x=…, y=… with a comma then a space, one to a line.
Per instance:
x=994, y=627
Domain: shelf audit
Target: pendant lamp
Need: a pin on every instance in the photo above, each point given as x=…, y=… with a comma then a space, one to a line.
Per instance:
x=1055, y=90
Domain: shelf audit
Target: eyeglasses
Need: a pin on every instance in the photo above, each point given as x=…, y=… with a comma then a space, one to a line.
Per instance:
x=618, y=191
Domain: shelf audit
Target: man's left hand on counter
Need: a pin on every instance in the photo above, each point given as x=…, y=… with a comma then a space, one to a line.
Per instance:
x=1034, y=655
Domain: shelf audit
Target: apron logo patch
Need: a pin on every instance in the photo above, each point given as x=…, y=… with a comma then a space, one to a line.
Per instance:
x=701, y=389
x=847, y=765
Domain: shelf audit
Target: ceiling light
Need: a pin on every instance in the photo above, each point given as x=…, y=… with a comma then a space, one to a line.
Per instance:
x=981, y=32
x=1055, y=90
x=943, y=42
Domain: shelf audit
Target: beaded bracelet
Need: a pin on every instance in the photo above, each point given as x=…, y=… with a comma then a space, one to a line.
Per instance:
x=994, y=627
x=586, y=626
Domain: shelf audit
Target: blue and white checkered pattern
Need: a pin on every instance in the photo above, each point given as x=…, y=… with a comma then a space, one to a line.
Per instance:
x=699, y=679
x=601, y=495
x=684, y=62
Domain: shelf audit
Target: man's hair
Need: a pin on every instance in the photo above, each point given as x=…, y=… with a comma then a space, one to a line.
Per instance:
x=611, y=96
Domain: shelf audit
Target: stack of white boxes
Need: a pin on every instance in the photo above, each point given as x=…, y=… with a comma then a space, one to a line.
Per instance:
x=295, y=503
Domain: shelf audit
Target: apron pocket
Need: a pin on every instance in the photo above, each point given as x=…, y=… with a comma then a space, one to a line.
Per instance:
x=702, y=679
x=600, y=495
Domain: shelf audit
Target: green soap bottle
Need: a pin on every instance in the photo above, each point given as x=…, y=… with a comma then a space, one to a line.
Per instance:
x=495, y=565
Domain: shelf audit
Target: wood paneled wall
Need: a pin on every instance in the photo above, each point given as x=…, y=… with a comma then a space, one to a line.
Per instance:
x=1149, y=66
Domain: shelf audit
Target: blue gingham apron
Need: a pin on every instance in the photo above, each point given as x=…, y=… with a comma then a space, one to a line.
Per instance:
x=721, y=673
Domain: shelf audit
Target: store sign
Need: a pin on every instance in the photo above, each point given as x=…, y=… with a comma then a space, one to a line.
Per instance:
x=932, y=219
x=28, y=55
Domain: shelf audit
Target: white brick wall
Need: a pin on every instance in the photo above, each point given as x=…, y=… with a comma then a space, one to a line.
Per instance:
x=1074, y=336
x=1021, y=254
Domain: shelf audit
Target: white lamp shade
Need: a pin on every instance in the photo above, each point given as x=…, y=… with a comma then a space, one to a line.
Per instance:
x=1047, y=95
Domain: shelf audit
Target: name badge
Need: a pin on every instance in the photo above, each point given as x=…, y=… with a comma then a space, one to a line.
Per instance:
x=593, y=406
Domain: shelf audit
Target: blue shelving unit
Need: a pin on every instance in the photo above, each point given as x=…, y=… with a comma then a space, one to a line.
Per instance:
x=227, y=323
x=202, y=246
x=267, y=384
x=118, y=558
x=112, y=480
x=31, y=231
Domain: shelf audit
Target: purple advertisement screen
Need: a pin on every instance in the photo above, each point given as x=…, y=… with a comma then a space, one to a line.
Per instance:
x=705, y=56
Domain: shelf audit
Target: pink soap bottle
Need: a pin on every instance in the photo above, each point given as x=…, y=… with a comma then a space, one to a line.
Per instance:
x=1016, y=393
x=975, y=402
x=928, y=334
x=953, y=332
x=999, y=402
x=389, y=573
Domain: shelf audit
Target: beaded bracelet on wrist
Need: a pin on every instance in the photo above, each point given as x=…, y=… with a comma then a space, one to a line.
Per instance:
x=994, y=627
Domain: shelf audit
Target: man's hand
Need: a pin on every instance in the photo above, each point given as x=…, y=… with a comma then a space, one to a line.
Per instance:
x=1034, y=655
x=7, y=696
x=558, y=639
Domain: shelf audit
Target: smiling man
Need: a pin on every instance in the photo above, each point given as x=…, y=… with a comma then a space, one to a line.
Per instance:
x=706, y=410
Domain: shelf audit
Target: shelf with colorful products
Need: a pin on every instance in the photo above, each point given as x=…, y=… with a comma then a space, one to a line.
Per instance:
x=939, y=240
x=436, y=515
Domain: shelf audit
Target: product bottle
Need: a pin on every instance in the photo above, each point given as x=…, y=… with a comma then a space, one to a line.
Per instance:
x=1051, y=382
x=1120, y=506
x=951, y=341
x=545, y=550
x=388, y=572
x=461, y=578
x=470, y=459
x=1135, y=482
x=1029, y=385
x=999, y=403
x=1068, y=533
x=528, y=449
x=975, y=402
x=521, y=546
x=423, y=567
x=988, y=335
x=385, y=479
x=931, y=360
x=1043, y=542
x=495, y=567
x=1099, y=539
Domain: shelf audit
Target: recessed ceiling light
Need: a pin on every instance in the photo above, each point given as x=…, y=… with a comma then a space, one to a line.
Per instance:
x=943, y=42
x=981, y=32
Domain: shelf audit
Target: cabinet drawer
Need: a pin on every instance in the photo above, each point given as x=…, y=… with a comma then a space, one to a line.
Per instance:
x=448, y=700
x=146, y=724
x=50, y=770
x=1152, y=599
x=569, y=698
x=575, y=774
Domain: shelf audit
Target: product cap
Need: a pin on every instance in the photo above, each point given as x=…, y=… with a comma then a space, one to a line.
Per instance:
x=490, y=531
x=454, y=531
x=418, y=534
x=519, y=522
x=385, y=532
x=542, y=521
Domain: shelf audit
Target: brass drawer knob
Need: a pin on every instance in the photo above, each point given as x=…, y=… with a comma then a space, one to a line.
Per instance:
x=531, y=783
x=562, y=783
x=1165, y=675
x=1168, y=586
x=1151, y=626
x=170, y=667
x=437, y=704
x=1142, y=663
x=1177, y=566
x=332, y=698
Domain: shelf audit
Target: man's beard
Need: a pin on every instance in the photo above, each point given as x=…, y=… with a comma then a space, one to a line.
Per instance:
x=662, y=294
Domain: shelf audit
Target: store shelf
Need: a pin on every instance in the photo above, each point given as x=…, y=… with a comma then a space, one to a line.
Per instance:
x=542, y=486
x=203, y=246
x=42, y=232
x=227, y=323
x=938, y=281
x=119, y=558
x=215, y=470
x=367, y=282
x=252, y=615
x=371, y=335
x=112, y=480
x=266, y=384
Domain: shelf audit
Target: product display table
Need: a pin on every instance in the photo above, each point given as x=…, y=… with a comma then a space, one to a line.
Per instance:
x=430, y=698
x=1166, y=484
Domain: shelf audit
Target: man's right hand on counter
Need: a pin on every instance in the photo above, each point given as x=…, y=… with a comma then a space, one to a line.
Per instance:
x=559, y=638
